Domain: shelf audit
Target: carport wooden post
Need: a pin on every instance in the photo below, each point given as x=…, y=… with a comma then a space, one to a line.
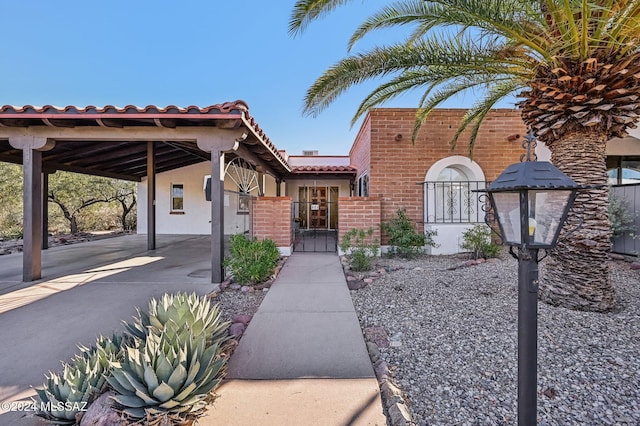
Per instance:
x=217, y=216
x=45, y=210
x=151, y=196
x=32, y=148
x=217, y=141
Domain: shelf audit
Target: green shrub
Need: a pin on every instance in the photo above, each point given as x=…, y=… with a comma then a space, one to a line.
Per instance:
x=478, y=241
x=621, y=218
x=404, y=241
x=252, y=261
x=360, y=247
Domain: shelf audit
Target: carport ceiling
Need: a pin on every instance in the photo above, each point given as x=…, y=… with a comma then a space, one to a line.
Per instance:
x=122, y=160
x=128, y=160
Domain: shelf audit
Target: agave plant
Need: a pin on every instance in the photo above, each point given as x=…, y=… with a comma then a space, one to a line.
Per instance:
x=196, y=312
x=64, y=396
x=170, y=375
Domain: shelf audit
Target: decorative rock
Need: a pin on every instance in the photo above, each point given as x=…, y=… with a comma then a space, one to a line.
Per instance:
x=236, y=329
x=243, y=319
x=351, y=278
x=355, y=285
x=616, y=256
x=395, y=341
x=102, y=413
x=391, y=394
x=480, y=260
x=246, y=289
x=3, y=251
x=417, y=268
x=470, y=263
x=382, y=271
x=368, y=281
x=235, y=286
x=377, y=335
x=399, y=415
x=382, y=370
x=374, y=352
x=224, y=284
x=264, y=290
x=635, y=266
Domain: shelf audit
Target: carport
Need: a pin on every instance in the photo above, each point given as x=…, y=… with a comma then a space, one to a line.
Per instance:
x=129, y=143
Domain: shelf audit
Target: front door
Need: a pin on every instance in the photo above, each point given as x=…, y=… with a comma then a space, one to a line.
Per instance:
x=315, y=216
x=318, y=206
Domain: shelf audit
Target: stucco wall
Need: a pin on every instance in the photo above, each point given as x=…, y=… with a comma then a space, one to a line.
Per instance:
x=197, y=210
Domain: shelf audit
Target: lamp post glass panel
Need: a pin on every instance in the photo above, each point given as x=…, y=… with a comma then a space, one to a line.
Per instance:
x=531, y=201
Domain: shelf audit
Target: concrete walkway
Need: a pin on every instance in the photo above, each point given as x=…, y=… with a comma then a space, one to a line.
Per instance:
x=87, y=289
x=302, y=360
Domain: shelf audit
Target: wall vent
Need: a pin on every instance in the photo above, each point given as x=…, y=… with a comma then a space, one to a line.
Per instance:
x=310, y=153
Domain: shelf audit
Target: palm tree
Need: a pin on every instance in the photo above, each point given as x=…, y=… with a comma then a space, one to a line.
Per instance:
x=574, y=63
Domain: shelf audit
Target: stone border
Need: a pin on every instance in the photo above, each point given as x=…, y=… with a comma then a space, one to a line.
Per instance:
x=396, y=409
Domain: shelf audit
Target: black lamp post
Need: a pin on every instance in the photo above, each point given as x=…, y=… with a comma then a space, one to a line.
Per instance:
x=531, y=201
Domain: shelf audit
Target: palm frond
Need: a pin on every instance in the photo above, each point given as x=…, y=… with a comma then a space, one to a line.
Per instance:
x=437, y=58
x=305, y=11
x=407, y=81
x=394, y=15
x=429, y=101
x=476, y=114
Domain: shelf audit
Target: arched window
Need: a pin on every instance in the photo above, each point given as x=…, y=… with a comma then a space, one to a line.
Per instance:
x=449, y=196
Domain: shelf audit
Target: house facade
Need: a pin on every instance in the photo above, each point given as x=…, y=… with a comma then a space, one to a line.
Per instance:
x=212, y=170
x=385, y=171
x=431, y=181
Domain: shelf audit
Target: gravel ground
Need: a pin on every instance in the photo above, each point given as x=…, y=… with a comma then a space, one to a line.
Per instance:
x=236, y=302
x=457, y=336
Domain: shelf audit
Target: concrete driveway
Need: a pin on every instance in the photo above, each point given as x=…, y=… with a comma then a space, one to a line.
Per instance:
x=87, y=290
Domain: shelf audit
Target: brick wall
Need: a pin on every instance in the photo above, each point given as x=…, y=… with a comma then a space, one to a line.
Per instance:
x=272, y=219
x=397, y=165
x=360, y=213
x=360, y=153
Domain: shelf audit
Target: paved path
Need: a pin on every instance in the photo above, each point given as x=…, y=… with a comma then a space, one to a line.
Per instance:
x=302, y=360
x=87, y=289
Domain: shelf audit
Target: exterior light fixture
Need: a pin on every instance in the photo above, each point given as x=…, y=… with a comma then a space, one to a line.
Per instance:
x=530, y=201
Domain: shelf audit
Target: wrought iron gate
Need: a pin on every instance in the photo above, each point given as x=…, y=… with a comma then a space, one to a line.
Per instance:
x=315, y=226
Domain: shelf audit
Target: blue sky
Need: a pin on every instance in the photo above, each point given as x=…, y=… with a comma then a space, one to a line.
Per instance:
x=184, y=53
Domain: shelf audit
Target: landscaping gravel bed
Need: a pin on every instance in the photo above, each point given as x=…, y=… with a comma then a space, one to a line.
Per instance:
x=453, y=345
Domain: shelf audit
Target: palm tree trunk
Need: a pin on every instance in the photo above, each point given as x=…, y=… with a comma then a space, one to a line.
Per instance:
x=576, y=276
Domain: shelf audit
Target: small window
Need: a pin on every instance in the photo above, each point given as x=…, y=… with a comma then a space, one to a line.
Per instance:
x=177, y=197
x=363, y=186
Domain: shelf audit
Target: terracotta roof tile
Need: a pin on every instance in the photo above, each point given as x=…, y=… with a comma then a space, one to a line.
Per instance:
x=231, y=110
x=226, y=107
x=324, y=169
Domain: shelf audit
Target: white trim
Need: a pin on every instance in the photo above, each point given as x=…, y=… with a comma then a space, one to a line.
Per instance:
x=285, y=250
x=449, y=234
x=467, y=165
x=171, y=197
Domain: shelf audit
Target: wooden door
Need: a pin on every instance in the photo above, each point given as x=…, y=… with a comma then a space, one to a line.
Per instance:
x=319, y=208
